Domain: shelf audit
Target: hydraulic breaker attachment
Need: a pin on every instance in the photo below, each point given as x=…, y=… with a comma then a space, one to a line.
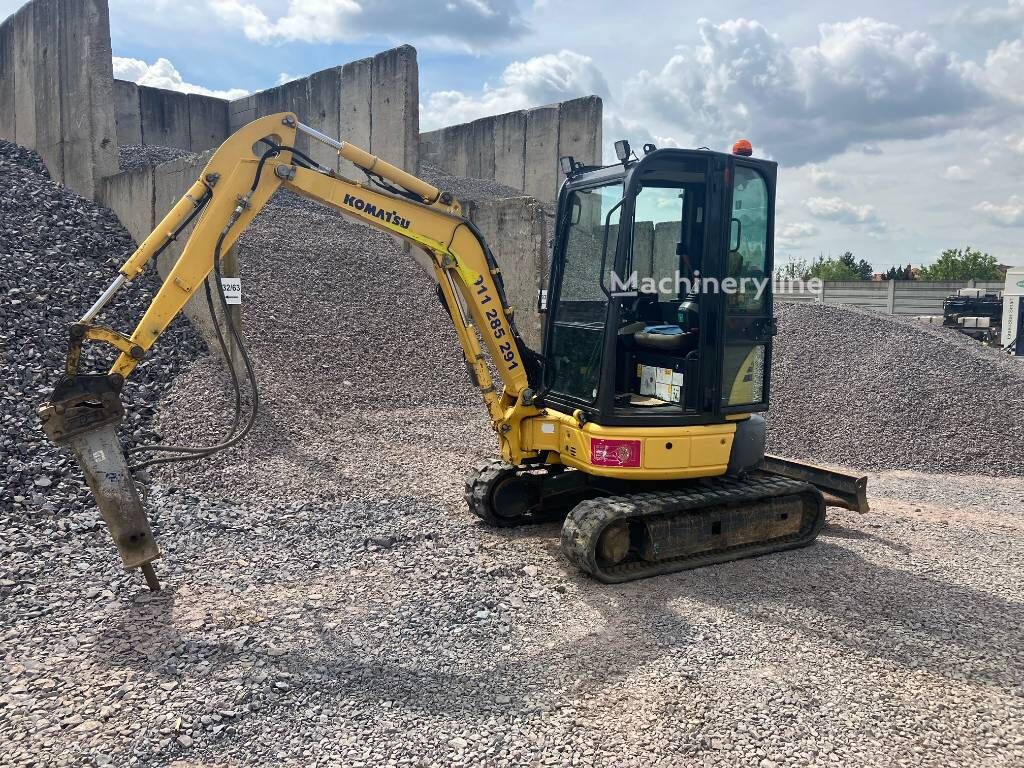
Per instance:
x=838, y=488
x=83, y=413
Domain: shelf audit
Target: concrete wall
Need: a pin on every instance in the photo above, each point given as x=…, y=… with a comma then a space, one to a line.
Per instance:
x=372, y=103
x=56, y=89
x=899, y=297
x=520, y=149
x=168, y=118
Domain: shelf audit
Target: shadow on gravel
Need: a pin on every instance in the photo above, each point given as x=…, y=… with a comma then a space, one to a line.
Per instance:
x=836, y=531
x=914, y=620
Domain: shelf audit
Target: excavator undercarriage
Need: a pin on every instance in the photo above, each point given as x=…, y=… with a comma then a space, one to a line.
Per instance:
x=619, y=531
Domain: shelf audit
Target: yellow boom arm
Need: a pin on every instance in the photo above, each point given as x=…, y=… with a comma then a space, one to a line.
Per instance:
x=240, y=179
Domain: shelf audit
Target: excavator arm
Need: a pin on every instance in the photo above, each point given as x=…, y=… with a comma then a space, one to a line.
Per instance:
x=242, y=176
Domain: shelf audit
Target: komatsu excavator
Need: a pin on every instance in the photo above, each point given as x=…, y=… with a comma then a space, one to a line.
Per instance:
x=639, y=419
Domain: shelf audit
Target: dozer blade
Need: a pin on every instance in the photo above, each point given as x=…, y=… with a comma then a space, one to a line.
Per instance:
x=838, y=488
x=622, y=538
x=83, y=413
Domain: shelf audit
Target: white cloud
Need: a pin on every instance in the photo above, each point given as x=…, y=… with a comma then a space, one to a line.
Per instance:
x=988, y=16
x=541, y=80
x=864, y=81
x=825, y=179
x=957, y=173
x=789, y=235
x=842, y=212
x=798, y=229
x=1004, y=69
x=1009, y=215
x=284, y=77
x=1016, y=144
x=464, y=22
x=163, y=74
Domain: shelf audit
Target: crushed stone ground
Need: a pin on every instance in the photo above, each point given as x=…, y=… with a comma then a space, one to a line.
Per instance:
x=329, y=601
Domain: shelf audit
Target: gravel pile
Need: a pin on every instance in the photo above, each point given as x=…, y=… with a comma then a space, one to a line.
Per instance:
x=348, y=339
x=57, y=254
x=135, y=156
x=879, y=392
x=465, y=188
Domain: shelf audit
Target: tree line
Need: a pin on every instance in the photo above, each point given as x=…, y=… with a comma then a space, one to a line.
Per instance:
x=955, y=264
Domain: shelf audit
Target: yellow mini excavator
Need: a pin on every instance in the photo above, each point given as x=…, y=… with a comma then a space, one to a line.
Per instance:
x=638, y=420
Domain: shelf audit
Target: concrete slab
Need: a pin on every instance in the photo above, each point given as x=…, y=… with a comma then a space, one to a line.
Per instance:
x=49, y=142
x=541, y=177
x=127, y=112
x=482, y=139
x=664, y=260
x=8, y=121
x=510, y=149
x=207, y=122
x=241, y=112
x=165, y=120
x=88, y=115
x=457, y=155
x=25, y=76
x=516, y=231
x=579, y=129
x=643, y=249
x=394, y=107
x=131, y=195
x=355, y=109
x=324, y=113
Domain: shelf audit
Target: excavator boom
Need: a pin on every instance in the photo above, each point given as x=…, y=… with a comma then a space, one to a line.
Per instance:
x=85, y=409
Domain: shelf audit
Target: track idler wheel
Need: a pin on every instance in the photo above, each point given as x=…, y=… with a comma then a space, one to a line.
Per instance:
x=501, y=494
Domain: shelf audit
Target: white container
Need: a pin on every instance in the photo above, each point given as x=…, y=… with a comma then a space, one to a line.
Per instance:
x=1012, y=293
x=975, y=322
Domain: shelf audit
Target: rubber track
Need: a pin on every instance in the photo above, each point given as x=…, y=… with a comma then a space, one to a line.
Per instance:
x=584, y=524
x=480, y=483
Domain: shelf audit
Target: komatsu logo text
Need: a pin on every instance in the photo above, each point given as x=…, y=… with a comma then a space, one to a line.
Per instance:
x=369, y=209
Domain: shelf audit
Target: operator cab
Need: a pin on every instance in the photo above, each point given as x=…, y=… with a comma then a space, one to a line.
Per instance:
x=660, y=308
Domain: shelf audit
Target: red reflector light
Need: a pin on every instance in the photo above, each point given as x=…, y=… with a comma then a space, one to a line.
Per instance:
x=614, y=453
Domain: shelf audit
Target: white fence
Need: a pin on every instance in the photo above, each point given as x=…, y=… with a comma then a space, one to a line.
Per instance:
x=895, y=297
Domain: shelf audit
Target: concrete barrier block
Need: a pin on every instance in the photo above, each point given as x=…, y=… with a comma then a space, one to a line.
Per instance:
x=88, y=115
x=431, y=148
x=457, y=153
x=127, y=114
x=207, y=122
x=355, y=109
x=25, y=93
x=541, y=167
x=394, y=107
x=165, y=120
x=665, y=261
x=579, y=129
x=510, y=149
x=49, y=134
x=241, y=112
x=8, y=121
x=482, y=143
x=516, y=231
x=131, y=195
x=324, y=113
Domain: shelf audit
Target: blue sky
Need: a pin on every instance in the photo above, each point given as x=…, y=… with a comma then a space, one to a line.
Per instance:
x=897, y=126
